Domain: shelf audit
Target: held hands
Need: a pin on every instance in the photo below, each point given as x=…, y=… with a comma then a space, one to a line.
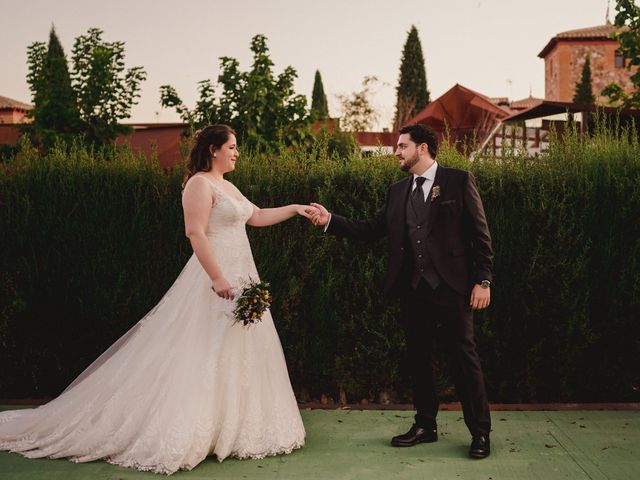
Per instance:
x=320, y=216
x=307, y=211
x=480, y=297
x=222, y=288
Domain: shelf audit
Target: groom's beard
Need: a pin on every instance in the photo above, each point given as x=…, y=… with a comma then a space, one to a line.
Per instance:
x=408, y=164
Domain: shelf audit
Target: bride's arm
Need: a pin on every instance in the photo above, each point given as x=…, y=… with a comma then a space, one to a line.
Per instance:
x=196, y=204
x=264, y=217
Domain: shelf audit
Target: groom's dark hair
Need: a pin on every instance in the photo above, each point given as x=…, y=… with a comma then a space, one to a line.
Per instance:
x=423, y=134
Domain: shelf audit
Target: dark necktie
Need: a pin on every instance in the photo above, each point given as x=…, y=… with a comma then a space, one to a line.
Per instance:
x=418, y=192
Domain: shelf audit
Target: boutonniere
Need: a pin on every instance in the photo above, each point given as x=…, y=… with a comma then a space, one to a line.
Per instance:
x=435, y=192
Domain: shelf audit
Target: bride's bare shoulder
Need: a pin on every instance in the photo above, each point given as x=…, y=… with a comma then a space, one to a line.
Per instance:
x=197, y=188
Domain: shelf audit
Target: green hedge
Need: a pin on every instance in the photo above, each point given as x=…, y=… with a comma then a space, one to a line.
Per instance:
x=91, y=241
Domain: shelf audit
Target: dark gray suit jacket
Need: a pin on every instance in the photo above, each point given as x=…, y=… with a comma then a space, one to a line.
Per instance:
x=458, y=238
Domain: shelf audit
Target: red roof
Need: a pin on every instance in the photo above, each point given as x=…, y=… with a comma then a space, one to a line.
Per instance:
x=601, y=32
x=458, y=107
x=525, y=103
x=502, y=101
x=7, y=103
x=462, y=115
x=516, y=105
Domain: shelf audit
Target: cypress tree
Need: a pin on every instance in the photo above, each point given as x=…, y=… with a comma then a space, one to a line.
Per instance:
x=584, y=92
x=412, y=94
x=55, y=111
x=319, y=105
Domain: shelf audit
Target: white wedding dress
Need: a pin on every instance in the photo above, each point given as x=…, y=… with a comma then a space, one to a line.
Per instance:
x=185, y=382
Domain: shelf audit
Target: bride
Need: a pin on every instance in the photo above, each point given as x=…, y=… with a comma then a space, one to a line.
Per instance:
x=187, y=380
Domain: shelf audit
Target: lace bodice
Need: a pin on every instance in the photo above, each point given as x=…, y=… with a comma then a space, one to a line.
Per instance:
x=227, y=234
x=229, y=214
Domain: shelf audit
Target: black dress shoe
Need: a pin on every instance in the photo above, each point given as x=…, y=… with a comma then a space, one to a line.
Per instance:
x=414, y=436
x=480, y=447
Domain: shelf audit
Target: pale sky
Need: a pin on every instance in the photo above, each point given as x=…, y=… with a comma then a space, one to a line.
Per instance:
x=490, y=46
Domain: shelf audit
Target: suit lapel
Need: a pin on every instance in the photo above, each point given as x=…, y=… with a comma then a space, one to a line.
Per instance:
x=441, y=182
x=399, y=202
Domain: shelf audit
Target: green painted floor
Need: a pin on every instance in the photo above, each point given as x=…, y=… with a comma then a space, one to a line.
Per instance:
x=351, y=444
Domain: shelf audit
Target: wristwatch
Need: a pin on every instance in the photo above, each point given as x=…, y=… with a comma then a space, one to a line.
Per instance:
x=485, y=283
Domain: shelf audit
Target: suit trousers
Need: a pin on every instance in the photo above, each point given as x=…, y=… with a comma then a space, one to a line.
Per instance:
x=442, y=313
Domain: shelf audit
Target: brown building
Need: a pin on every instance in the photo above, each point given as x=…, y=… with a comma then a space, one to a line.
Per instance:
x=564, y=58
x=164, y=141
x=161, y=140
x=13, y=111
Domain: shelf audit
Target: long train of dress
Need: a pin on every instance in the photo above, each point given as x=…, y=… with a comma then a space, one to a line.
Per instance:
x=185, y=382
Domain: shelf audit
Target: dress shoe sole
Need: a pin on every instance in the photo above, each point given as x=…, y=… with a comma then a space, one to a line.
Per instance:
x=479, y=456
x=411, y=444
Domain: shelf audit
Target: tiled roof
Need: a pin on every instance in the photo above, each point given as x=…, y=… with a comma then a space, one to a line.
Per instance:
x=502, y=101
x=516, y=105
x=7, y=103
x=525, y=103
x=601, y=32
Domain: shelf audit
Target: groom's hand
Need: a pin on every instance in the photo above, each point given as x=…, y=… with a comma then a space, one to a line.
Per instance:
x=480, y=297
x=321, y=216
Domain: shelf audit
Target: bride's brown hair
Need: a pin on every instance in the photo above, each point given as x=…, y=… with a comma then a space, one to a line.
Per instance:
x=200, y=156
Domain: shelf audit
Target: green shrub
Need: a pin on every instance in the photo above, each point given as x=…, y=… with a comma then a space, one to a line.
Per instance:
x=91, y=241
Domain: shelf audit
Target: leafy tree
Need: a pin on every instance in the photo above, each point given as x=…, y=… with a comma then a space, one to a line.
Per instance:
x=106, y=90
x=627, y=17
x=55, y=112
x=584, y=91
x=358, y=113
x=92, y=99
x=342, y=144
x=412, y=94
x=205, y=111
x=319, y=105
x=262, y=108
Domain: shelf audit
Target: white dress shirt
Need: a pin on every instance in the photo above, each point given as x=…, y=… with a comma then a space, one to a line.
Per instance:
x=429, y=174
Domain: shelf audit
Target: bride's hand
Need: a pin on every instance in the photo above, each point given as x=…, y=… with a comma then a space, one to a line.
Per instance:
x=320, y=217
x=222, y=288
x=307, y=211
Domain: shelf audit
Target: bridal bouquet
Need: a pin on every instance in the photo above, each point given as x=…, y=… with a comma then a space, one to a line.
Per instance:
x=252, y=303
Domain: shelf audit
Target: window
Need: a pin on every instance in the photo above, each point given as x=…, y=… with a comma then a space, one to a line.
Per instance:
x=619, y=61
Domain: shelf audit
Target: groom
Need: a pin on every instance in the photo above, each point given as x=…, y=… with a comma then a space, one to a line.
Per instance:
x=440, y=260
